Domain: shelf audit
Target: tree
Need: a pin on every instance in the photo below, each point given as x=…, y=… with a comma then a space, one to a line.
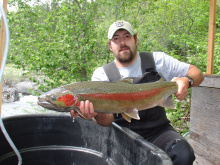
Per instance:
x=66, y=40
x=57, y=39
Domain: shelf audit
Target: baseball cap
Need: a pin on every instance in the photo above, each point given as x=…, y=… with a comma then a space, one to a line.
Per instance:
x=120, y=25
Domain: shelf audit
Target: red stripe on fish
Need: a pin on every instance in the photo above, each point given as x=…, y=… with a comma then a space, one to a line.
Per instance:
x=124, y=96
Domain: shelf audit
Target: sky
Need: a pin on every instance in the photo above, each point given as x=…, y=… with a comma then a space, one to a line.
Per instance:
x=31, y=3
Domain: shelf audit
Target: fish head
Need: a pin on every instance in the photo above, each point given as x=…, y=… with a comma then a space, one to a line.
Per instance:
x=59, y=99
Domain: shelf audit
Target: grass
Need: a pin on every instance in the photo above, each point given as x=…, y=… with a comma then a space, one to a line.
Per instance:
x=180, y=117
x=13, y=75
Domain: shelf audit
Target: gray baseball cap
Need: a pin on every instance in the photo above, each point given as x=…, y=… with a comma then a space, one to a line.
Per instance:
x=120, y=25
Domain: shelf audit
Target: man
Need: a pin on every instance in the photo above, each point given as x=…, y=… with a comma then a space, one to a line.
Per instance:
x=153, y=124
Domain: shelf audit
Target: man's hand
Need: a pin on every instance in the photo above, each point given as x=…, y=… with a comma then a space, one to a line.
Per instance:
x=183, y=85
x=86, y=109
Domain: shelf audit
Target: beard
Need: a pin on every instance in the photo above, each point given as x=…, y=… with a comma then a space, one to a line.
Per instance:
x=126, y=57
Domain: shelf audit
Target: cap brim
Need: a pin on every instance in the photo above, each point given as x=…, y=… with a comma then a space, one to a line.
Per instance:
x=113, y=32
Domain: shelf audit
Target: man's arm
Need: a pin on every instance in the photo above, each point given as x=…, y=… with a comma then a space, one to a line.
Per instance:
x=183, y=82
x=196, y=75
x=104, y=119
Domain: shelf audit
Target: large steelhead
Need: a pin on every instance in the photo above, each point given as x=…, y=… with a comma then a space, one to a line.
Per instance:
x=122, y=97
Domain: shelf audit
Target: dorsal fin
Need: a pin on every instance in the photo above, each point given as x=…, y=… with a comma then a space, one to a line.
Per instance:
x=161, y=80
x=130, y=81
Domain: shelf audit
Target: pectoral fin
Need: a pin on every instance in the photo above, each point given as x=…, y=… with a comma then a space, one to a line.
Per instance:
x=79, y=112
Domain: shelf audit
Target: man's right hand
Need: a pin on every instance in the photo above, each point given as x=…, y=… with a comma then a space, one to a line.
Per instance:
x=86, y=109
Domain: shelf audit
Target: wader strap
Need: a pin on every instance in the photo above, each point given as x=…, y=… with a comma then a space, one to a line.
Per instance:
x=112, y=71
x=147, y=62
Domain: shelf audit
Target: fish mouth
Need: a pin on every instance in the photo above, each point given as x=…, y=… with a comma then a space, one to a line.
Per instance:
x=47, y=105
x=50, y=106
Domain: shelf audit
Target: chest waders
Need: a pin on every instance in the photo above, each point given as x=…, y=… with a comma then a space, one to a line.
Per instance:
x=153, y=124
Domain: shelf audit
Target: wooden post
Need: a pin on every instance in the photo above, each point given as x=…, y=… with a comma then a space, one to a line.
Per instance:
x=2, y=46
x=211, y=39
x=205, y=121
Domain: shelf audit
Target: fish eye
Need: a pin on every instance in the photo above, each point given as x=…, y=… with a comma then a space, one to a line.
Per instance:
x=54, y=98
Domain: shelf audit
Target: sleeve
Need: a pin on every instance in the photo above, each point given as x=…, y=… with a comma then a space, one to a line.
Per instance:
x=99, y=75
x=169, y=67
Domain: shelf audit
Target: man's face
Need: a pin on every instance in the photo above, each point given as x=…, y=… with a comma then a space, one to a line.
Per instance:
x=124, y=46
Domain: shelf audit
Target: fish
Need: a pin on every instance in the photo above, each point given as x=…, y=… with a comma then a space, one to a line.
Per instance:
x=121, y=97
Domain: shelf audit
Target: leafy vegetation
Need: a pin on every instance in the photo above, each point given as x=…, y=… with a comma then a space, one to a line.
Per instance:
x=67, y=40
